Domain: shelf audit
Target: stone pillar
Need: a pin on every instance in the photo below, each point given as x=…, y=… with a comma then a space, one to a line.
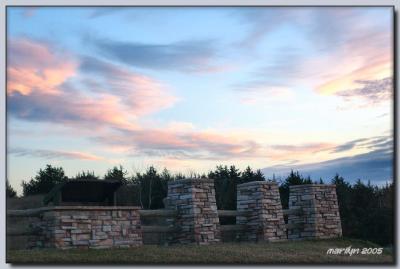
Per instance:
x=320, y=218
x=260, y=204
x=197, y=216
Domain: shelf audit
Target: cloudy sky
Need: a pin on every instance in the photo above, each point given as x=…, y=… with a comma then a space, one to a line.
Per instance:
x=190, y=88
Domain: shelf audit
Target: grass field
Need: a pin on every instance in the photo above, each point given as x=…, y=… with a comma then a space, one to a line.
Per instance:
x=307, y=252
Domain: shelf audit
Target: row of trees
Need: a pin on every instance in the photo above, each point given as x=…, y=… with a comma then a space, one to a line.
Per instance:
x=366, y=210
x=50, y=176
x=151, y=186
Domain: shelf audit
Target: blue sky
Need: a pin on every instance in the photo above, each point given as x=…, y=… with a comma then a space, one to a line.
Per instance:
x=190, y=88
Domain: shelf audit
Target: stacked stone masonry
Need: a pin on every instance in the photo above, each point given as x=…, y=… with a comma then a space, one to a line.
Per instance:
x=320, y=218
x=260, y=209
x=258, y=204
x=197, y=218
x=96, y=227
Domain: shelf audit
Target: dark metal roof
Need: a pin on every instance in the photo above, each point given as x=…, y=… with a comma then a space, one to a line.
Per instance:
x=83, y=191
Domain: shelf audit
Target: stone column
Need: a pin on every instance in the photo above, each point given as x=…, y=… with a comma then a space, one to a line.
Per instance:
x=320, y=218
x=260, y=204
x=197, y=216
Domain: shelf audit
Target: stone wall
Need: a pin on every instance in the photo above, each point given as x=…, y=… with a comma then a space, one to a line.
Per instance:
x=88, y=227
x=260, y=204
x=320, y=218
x=197, y=215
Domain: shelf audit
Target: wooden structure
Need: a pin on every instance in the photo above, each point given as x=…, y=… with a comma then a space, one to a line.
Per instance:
x=84, y=192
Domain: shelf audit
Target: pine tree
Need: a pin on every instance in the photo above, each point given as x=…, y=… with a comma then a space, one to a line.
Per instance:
x=44, y=181
x=117, y=173
x=10, y=192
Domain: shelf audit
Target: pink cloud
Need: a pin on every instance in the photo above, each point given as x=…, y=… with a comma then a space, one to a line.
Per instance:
x=142, y=94
x=347, y=46
x=307, y=147
x=368, y=92
x=42, y=86
x=164, y=145
x=53, y=154
x=186, y=144
x=367, y=55
x=289, y=152
x=33, y=67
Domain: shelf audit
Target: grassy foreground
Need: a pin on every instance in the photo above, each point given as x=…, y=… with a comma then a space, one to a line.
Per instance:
x=239, y=253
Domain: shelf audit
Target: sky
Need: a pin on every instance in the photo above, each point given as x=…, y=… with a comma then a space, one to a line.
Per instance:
x=189, y=88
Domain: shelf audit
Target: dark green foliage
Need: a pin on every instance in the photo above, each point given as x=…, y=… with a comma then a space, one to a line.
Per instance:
x=294, y=178
x=86, y=176
x=153, y=187
x=117, y=173
x=10, y=192
x=258, y=176
x=226, y=181
x=247, y=175
x=344, y=194
x=128, y=195
x=179, y=176
x=44, y=181
x=366, y=211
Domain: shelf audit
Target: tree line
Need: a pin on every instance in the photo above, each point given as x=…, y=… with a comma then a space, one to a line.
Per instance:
x=366, y=210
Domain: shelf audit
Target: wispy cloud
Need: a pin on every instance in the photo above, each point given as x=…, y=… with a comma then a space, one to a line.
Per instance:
x=274, y=80
x=348, y=145
x=283, y=153
x=307, y=147
x=179, y=144
x=192, y=56
x=69, y=109
x=376, y=164
x=40, y=88
x=96, y=12
x=363, y=54
x=370, y=92
x=53, y=154
x=370, y=143
x=142, y=94
x=260, y=22
x=35, y=66
x=347, y=48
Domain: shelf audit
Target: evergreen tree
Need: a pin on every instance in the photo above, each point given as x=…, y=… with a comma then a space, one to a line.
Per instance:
x=247, y=175
x=259, y=176
x=44, y=181
x=294, y=178
x=117, y=173
x=153, y=188
x=89, y=175
x=221, y=183
x=10, y=192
